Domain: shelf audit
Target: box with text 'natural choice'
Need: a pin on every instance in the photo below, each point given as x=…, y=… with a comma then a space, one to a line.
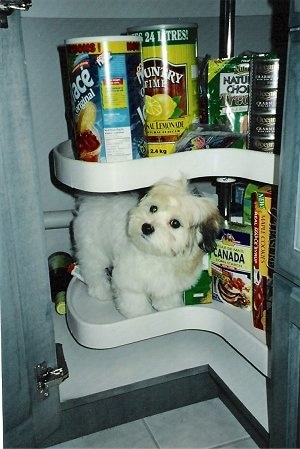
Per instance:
x=231, y=267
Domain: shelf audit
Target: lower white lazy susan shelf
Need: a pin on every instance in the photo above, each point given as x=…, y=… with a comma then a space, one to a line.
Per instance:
x=98, y=325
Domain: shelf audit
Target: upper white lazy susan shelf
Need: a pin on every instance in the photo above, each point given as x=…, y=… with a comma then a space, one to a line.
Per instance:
x=130, y=175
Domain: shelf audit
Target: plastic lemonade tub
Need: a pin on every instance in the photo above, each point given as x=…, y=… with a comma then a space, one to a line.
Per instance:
x=171, y=83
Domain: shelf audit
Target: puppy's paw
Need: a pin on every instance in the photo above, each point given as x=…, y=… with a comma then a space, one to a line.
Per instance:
x=132, y=305
x=129, y=312
x=170, y=302
x=101, y=292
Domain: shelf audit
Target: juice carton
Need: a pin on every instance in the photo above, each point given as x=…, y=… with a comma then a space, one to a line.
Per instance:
x=231, y=267
x=264, y=217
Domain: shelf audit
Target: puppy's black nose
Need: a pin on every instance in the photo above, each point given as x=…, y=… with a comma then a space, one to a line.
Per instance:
x=147, y=228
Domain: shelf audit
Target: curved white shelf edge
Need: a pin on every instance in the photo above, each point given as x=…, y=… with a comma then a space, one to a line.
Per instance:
x=98, y=325
x=130, y=175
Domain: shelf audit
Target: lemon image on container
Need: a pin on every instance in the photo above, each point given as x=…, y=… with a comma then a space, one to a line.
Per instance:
x=159, y=107
x=87, y=117
x=153, y=108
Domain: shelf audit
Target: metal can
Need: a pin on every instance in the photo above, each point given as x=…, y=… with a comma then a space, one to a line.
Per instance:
x=171, y=83
x=105, y=75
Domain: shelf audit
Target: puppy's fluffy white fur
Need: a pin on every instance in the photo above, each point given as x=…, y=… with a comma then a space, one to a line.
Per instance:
x=155, y=245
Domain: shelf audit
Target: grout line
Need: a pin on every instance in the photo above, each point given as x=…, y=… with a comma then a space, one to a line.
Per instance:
x=150, y=433
x=227, y=443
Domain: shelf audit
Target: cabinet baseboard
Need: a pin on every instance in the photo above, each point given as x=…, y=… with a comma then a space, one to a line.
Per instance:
x=128, y=403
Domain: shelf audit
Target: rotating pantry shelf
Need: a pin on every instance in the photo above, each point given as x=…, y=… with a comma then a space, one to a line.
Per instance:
x=98, y=325
x=130, y=175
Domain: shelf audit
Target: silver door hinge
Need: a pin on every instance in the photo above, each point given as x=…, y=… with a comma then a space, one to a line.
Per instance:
x=47, y=377
x=7, y=7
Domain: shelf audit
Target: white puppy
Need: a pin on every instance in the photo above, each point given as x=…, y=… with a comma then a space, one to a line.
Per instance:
x=154, y=245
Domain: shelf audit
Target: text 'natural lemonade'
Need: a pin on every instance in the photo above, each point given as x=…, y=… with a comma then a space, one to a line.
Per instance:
x=171, y=83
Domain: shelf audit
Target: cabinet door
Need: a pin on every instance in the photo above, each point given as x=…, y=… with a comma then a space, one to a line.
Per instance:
x=27, y=334
x=288, y=236
x=294, y=19
x=285, y=369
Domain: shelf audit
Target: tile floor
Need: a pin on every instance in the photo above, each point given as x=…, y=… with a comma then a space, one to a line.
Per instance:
x=206, y=424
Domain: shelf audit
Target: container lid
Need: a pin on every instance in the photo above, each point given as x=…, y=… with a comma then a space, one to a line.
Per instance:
x=88, y=39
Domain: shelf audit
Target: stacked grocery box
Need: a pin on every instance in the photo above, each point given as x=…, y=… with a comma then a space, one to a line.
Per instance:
x=264, y=235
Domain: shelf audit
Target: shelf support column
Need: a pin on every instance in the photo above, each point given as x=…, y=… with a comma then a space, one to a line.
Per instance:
x=226, y=28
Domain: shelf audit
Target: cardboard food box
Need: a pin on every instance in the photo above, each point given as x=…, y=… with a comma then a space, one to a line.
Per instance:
x=201, y=292
x=231, y=267
x=248, y=203
x=264, y=230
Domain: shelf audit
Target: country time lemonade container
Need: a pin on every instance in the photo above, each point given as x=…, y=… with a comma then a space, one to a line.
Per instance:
x=105, y=75
x=171, y=83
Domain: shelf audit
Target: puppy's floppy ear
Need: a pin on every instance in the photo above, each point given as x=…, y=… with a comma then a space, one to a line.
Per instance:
x=209, y=224
x=210, y=230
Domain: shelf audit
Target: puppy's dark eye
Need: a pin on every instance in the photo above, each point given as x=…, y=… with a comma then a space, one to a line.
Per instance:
x=175, y=224
x=153, y=209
